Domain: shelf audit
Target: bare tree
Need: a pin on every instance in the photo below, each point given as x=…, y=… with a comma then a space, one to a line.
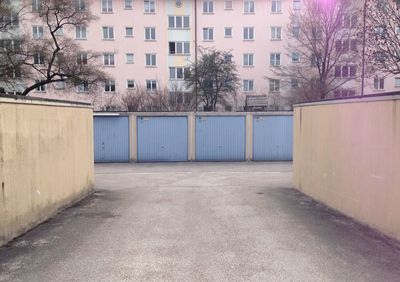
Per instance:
x=215, y=77
x=323, y=47
x=382, y=35
x=51, y=56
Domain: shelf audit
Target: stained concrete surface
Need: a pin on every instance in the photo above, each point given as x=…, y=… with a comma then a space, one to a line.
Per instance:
x=199, y=222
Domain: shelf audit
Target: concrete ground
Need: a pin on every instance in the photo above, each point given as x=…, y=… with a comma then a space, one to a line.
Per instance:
x=199, y=222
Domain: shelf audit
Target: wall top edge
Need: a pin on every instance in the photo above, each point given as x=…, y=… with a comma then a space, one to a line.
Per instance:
x=280, y=113
x=367, y=98
x=18, y=99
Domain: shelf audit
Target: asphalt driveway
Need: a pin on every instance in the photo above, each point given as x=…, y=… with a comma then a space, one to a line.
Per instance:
x=199, y=222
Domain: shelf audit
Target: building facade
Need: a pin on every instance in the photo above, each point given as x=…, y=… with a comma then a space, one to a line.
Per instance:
x=147, y=44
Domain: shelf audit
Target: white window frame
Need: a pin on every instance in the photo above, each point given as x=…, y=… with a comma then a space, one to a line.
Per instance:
x=151, y=31
x=38, y=58
x=110, y=31
x=397, y=82
x=295, y=55
x=297, y=5
x=41, y=88
x=275, y=59
x=276, y=6
x=225, y=29
x=107, y=6
x=274, y=85
x=82, y=58
x=82, y=87
x=247, y=33
x=80, y=32
x=248, y=85
x=127, y=56
x=37, y=32
x=276, y=33
x=152, y=59
x=37, y=5
x=379, y=83
x=128, y=4
x=208, y=6
x=108, y=59
x=184, y=20
x=126, y=31
x=128, y=82
x=179, y=45
x=151, y=81
x=249, y=7
x=110, y=84
x=150, y=6
x=208, y=31
x=248, y=59
x=228, y=7
x=174, y=71
x=80, y=5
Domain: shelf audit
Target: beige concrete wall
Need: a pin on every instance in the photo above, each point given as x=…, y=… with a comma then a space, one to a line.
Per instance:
x=46, y=161
x=347, y=155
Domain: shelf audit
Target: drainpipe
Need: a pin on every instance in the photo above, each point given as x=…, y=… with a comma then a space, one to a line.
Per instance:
x=363, y=49
x=195, y=51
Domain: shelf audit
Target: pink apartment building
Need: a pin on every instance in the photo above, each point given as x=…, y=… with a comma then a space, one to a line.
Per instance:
x=147, y=44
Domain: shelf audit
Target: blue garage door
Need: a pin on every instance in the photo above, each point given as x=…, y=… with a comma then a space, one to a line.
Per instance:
x=220, y=138
x=111, y=139
x=162, y=139
x=272, y=138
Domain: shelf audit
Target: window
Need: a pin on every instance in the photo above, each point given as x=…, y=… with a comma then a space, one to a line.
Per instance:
x=80, y=32
x=40, y=88
x=248, y=59
x=276, y=33
x=228, y=5
x=149, y=6
x=248, y=85
x=150, y=33
x=274, y=85
x=295, y=57
x=130, y=84
x=83, y=86
x=80, y=5
x=107, y=6
x=178, y=22
x=296, y=31
x=349, y=21
x=208, y=6
x=59, y=31
x=296, y=4
x=248, y=7
x=151, y=85
x=108, y=32
x=228, y=32
x=37, y=31
x=397, y=82
x=345, y=71
x=248, y=33
x=130, y=58
x=151, y=60
x=108, y=59
x=177, y=73
x=275, y=59
x=208, y=34
x=129, y=31
x=128, y=5
x=228, y=58
x=38, y=58
x=82, y=59
x=36, y=5
x=59, y=85
x=276, y=6
x=379, y=83
x=109, y=86
x=179, y=48
x=294, y=83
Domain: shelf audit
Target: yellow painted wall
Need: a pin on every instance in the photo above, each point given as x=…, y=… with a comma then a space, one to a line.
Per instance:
x=46, y=161
x=347, y=155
